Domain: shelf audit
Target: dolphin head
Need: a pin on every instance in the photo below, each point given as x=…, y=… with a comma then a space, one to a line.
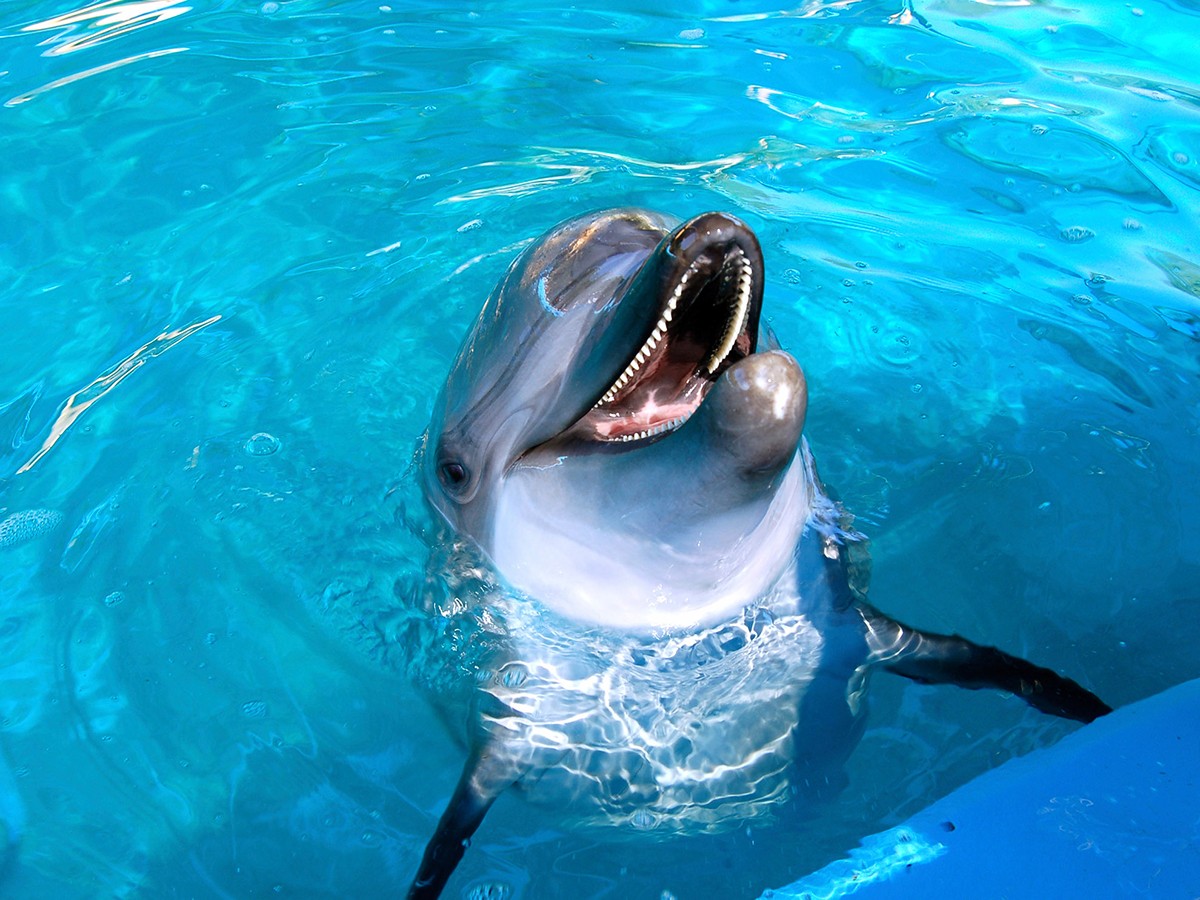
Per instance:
x=610, y=433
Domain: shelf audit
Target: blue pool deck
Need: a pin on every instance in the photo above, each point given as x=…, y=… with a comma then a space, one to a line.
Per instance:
x=1111, y=811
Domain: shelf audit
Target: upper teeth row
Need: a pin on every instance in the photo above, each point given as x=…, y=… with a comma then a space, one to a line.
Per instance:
x=732, y=330
x=660, y=329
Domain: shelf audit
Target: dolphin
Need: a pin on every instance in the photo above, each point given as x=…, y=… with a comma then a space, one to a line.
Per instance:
x=665, y=628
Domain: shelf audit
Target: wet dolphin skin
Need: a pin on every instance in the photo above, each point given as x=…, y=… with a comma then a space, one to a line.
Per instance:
x=677, y=637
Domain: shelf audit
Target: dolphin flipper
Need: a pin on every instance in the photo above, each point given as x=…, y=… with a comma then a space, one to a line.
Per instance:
x=949, y=659
x=478, y=787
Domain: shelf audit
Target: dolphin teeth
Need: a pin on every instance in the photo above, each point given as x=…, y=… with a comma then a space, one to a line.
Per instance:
x=738, y=319
x=654, y=431
x=733, y=327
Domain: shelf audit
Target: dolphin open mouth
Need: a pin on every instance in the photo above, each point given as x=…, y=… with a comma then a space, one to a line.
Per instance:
x=706, y=279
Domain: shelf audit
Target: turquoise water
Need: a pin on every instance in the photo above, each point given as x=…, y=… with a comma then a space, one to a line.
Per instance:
x=240, y=243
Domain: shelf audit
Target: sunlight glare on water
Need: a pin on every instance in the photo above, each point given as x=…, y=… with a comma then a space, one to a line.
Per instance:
x=242, y=241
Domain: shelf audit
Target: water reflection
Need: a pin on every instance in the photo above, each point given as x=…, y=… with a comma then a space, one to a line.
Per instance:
x=264, y=170
x=83, y=398
x=91, y=25
x=87, y=73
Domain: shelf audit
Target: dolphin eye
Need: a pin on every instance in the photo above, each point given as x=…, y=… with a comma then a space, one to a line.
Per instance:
x=452, y=474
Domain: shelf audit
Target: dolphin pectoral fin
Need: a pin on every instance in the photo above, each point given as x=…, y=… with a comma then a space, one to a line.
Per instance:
x=949, y=659
x=477, y=790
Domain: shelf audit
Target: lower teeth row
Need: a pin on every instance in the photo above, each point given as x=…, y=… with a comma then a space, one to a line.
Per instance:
x=734, y=327
x=658, y=429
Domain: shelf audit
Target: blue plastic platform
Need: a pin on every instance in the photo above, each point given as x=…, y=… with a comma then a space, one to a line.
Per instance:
x=1113, y=810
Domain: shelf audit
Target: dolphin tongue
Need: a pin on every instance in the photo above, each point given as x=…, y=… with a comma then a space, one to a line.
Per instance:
x=704, y=282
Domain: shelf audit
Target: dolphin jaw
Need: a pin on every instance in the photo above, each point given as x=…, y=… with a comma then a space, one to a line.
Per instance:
x=558, y=546
x=659, y=390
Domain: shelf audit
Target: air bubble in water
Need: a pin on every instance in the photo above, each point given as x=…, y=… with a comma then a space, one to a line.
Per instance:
x=261, y=444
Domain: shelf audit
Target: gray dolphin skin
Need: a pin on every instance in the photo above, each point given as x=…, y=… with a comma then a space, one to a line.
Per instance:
x=664, y=628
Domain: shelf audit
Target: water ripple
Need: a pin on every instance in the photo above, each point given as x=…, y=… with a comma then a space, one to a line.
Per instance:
x=1088, y=357
x=344, y=182
x=569, y=165
x=98, y=23
x=1060, y=156
x=1176, y=150
x=88, y=73
x=79, y=401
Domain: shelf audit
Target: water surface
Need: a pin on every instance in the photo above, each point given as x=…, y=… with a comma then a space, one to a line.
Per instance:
x=241, y=242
